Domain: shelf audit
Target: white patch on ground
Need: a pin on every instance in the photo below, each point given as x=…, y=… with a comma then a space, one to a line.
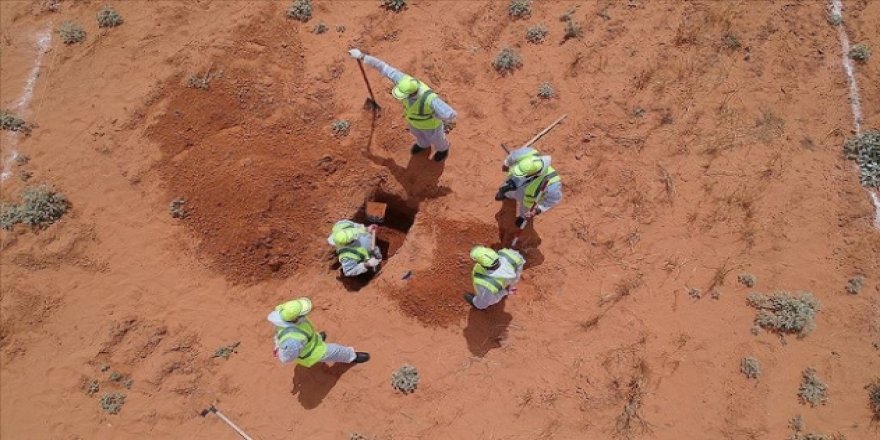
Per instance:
x=836, y=11
x=44, y=40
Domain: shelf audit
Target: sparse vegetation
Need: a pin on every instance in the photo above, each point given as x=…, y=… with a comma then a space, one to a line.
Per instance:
x=394, y=5
x=730, y=41
x=405, y=379
x=320, y=28
x=115, y=376
x=300, y=10
x=10, y=122
x=536, y=34
x=108, y=17
x=71, y=33
x=750, y=367
x=356, y=436
x=630, y=421
x=127, y=383
x=202, y=82
x=785, y=313
x=226, y=351
x=519, y=8
x=798, y=426
x=812, y=390
x=176, y=208
x=507, y=61
x=874, y=398
x=748, y=280
x=572, y=29
x=860, y=52
x=854, y=285
x=340, y=28
x=546, y=91
x=92, y=387
x=865, y=150
x=638, y=112
x=340, y=127
x=40, y=207
x=834, y=18
x=112, y=402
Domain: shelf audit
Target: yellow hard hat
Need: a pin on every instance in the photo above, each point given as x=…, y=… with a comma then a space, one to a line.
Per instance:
x=343, y=237
x=405, y=87
x=484, y=256
x=293, y=309
x=528, y=166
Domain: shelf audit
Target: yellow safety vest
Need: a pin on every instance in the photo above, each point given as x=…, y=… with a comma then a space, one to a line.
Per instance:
x=314, y=346
x=419, y=113
x=534, y=189
x=357, y=253
x=482, y=278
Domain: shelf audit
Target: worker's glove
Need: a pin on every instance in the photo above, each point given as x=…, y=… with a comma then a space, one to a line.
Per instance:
x=372, y=228
x=505, y=168
x=448, y=126
x=372, y=262
x=356, y=54
x=520, y=221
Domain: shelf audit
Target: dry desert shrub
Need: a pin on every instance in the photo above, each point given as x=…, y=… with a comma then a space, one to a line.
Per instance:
x=112, y=402
x=108, y=17
x=860, y=52
x=536, y=34
x=747, y=279
x=320, y=28
x=92, y=387
x=176, y=208
x=507, y=61
x=874, y=398
x=546, y=91
x=405, y=379
x=356, y=436
x=226, y=351
x=784, y=313
x=71, y=33
x=750, y=367
x=572, y=28
x=40, y=206
x=340, y=127
x=854, y=285
x=730, y=41
x=300, y=10
x=519, y=8
x=865, y=150
x=812, y=390
x=798, y=426
x=10, y=122
x=394, y=5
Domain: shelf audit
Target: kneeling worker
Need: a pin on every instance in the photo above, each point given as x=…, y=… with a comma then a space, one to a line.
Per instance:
x=354, y=247
x=494, y=276
x=296, y=338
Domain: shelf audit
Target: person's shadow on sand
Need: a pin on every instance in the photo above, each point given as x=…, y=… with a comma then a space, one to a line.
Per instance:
x=528, y=242
x=312, y=385
x=486, y=329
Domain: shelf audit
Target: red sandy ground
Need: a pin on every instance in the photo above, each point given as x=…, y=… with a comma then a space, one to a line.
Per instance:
x=734, y=167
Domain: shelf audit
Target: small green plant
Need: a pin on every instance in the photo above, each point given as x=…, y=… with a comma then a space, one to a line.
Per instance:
x=546, y=91
x=747, y=279
x=71, y=32
x=860, y=52
x=320, y=28
x=226, y=351
x=10, y=122
x=108, y=17
x=874, y=398
x=507, y=61
x=750, y=367
x=40, y=207
x=784, y=313
x=854, y=285
x=112, y=402
x=92, y=387
x=730, y=41
x=116, y=376
x=340, y=127
x=394, y=5
x=405, y=379
x=300, y=10
x=519, y=8
x=176, y=208
x=812, y=390
x=536, y=34
x=865, y=150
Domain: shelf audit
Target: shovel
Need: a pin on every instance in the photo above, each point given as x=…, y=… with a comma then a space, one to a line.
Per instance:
x=375, y=215
x=213, y=409
x=370, y=103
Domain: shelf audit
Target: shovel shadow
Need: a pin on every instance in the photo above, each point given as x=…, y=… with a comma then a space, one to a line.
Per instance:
x=528, y=242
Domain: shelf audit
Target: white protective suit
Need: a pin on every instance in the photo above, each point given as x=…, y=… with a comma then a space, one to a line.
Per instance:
x=507, y=274
x=551, y=196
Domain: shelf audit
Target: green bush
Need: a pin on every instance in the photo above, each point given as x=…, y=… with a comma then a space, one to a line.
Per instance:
x=865, y=150
x=71, y=32
x=812, y=390
x=507, y=61
x=300, y=10
x=519, y=8
x=108, y=17
x=784, y=313
x=536, y=34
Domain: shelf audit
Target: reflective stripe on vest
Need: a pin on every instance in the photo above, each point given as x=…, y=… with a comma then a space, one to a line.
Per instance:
x=307, y=335
x=480, y=278
x=511, y=258
x=419, y=113
x=534, y=190
x=357, y=253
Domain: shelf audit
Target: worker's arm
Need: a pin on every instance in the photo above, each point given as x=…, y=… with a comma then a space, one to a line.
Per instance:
x=552, y=196
x=515, y=155
x=519, y=267
x=384, y=68
x=289, y=350
x=443, y=111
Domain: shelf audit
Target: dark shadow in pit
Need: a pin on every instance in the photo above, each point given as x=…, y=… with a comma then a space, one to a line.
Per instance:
x=487, y=329
x=312, y=385
x=529, y=240
x=399, y=218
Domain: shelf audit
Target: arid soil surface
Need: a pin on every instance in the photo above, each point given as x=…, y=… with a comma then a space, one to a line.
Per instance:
x=686, y=161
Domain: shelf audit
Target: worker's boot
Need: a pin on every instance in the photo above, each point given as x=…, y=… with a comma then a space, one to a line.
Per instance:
x=469, y=297
x=440, y=155
x=360, y=357
x=416, y=149
x=323, y=335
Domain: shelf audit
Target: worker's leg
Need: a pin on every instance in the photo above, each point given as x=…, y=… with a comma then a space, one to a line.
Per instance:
x=437, y=138
x=423, y=142
x=338, y=353
x=485, y=299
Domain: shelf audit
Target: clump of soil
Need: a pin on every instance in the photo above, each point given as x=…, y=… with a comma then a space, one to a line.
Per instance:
x=405, y=379
x=785, y=313
x=750, y=367
x=812, y=390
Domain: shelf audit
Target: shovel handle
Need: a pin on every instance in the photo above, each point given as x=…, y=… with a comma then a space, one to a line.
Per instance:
x=364, y=74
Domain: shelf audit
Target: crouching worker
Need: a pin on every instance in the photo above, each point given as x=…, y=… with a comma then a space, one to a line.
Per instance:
x=297, y=340
x=354, y=247
x=494, y=276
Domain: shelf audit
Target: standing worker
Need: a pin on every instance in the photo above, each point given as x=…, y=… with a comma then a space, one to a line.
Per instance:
x=296, y=338
x=494, y=276
x=532, y=182
x=354, y=247
x=428, y=116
